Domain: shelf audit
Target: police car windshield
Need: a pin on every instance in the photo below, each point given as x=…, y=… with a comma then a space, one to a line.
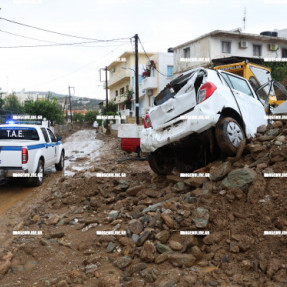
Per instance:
x=18, y=133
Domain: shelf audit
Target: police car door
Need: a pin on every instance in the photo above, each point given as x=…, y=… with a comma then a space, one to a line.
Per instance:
x=54, y=146
x=48, y=151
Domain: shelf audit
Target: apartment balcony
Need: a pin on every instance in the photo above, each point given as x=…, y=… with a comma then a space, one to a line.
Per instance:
x=120, y=98
x=118, y=77
x=149, y=83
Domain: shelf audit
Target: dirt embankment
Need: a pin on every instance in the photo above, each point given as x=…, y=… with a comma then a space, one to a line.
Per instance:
x=236, y=205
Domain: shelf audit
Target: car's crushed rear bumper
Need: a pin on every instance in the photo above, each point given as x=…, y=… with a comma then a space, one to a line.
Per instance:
x=197, y=121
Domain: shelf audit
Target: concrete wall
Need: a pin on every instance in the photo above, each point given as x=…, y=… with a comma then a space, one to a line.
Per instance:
x=236, y=50
x=162, y=60
x=198, y=49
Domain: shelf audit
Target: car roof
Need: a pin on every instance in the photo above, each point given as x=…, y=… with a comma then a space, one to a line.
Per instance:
x=20, y=125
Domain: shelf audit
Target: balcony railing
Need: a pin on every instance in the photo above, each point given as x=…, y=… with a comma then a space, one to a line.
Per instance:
x=120, y=98
x=118, y=76
x=149, y=83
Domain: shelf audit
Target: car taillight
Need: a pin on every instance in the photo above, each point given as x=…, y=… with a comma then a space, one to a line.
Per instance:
x=205, y=91
x=147, y=121
x=24, y=155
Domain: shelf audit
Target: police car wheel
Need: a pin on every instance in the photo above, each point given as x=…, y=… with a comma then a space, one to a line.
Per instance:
x=60, y=165
x=38, y=180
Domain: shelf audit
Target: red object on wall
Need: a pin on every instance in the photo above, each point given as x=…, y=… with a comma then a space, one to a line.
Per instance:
x=130, y=144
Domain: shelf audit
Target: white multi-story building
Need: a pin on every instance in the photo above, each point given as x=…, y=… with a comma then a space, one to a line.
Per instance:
x=220, y=47
x=159, y=77
x=24, y=96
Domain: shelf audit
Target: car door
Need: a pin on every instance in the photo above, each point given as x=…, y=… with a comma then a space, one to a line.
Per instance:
x=49, y=150
x=252, y=110
x=54, y=146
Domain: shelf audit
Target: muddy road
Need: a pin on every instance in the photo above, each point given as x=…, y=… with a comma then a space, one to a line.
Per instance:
x=17, y=198
x=82, y=151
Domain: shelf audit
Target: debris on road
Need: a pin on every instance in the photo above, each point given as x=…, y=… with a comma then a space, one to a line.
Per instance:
x=150, y=230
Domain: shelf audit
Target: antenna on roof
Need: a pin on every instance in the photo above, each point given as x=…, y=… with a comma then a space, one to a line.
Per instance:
x=244, y=19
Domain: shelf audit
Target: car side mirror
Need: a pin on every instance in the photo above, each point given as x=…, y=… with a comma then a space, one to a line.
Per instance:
x=59, y=138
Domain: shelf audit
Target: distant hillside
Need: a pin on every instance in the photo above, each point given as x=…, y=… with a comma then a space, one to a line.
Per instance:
x=78, y=103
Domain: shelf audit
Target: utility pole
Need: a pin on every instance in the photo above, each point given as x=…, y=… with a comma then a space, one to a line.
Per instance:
x=137, y=78
x=66, y=106
x=107, y=104
x=71, y=102
x=106, y=83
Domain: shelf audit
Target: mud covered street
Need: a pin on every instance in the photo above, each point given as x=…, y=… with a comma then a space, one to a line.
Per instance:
x=149, y=230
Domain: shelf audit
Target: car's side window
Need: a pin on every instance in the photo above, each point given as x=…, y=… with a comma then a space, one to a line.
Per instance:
x=45, y=134
x=240, y=85
x=52, y=136
x=226, y=79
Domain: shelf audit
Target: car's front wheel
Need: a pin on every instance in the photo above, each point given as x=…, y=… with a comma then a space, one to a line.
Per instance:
x=229, y=134
x=161, y=161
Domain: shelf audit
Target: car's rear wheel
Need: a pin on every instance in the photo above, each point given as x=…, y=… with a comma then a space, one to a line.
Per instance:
x=229, y=134
x=38, y=180
x=60, y=165
x=161, y=161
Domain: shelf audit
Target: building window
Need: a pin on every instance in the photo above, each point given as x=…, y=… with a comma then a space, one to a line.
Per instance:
x=140, y=79
x=284, y=53
x=122, y=90
x=226, y=47
x=169, y=71
x=127, y=88
x=257, y=50
x=186, y=52
x=116, y=93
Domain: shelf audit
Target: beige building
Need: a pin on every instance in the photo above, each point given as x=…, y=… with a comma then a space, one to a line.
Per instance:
x=120, y=76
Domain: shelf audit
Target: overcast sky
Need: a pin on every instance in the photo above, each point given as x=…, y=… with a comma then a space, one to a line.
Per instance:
x=160, y=24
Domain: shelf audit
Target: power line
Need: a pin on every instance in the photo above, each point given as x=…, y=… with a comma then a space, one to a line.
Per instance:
x=44, y=41
x=82, y=67
x=62, y=34
x=54, y=45
x=150, y=59
x=30, y=38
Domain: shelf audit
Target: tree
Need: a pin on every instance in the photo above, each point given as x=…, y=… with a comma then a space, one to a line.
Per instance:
x=128, y=101
x=112, y=109
x=49, y=109
x=12, y=104
x=2, y=102
x=278, y=70
x=91, y=116
x=78, y=117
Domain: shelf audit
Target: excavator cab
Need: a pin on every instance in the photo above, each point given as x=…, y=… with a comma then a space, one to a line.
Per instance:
x=272, y=94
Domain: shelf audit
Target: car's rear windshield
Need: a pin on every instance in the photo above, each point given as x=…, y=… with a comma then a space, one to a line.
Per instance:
x=172, y=88
x=18, y=133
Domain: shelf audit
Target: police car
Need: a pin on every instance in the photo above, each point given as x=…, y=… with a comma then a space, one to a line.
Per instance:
x=26, y=150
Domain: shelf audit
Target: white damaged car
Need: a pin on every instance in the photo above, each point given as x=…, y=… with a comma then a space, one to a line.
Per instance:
x=198, y=116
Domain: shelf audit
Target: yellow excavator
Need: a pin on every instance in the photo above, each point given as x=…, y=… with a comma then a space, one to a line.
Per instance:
x=271, y=92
